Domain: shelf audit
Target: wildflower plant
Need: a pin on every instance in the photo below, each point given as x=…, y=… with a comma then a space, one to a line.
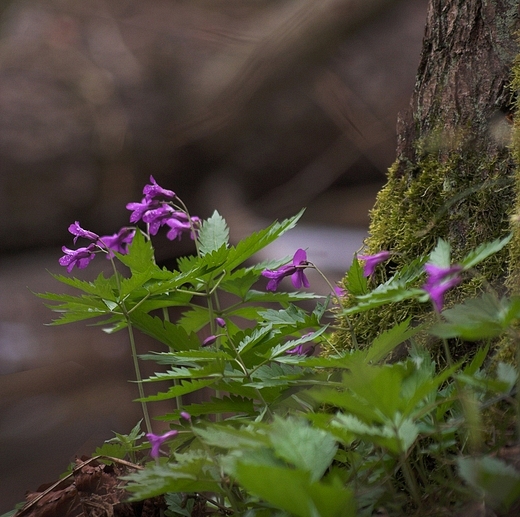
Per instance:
x=284, y=429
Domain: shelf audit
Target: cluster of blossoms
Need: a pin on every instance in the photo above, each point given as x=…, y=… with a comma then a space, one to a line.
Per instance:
x=440, y=279
x=155, y=209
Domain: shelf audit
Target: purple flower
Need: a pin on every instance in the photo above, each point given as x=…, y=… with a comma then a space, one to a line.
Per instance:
x=371, y=261
x=339, y=291
x=79, y=258
x=78, y=231
x=440, y=279
x=139, y=209
x=209, y=340
x=220, y=322
x=156, y=217
x=179, y=224
x=154, y=190
x=118, y=242
x=185, y=415
x=301, y=350
x=295, y=271
x=157, y=441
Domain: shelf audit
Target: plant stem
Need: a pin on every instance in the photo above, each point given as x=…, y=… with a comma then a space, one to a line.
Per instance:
x=138, y=377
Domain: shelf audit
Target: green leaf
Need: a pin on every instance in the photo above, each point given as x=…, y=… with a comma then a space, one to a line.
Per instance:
x=140, y=257
x=239, y=282
x=228, y=437
x=227, y=404
x=288, y=316
x=388, y=340
x=194, y=319
x=194, y=474
x=475, y=319
x=483, y=251
x=281, y=297
x=213, y=234
x=356, y=283
x=441, y=255
x=114, y=450
x=499, y=482
x=293, y=491
x=181, y=389
x=303, y=446
x=399, y=287
x=252, y=244
x=172, y=335
x=396, y=438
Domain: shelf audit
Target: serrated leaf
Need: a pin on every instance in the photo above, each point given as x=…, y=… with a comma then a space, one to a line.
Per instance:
x=183, y=388
x=253, y=338
x=385, y=342
x=303, y=446
x=239, y=282
x=355, y=282
x=227, y=404
x=288, y=316
x=102, y=287
x=499, y=482
x=252, y=244
x=213, y=234
x=194, y=319
x=473, y=320
x=229, y=437
x=172, y=335
x=441, y=255
x=293, y=491
x=483, y=251
x=280, y=297
x=140, y=256
x=194, y=475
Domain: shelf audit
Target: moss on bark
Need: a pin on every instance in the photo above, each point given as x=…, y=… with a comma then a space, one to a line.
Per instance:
x=456, y=175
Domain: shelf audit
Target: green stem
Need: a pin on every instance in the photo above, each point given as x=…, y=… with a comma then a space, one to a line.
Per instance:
x=138, y=377
x=347, y=320
x=411, y=482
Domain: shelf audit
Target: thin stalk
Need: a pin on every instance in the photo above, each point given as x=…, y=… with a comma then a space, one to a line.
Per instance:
x=411, y=482
x=178, y=398
x=138, y=377
x=349, y=324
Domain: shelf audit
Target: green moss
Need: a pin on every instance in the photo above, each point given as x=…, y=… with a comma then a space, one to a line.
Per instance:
x=457, y=194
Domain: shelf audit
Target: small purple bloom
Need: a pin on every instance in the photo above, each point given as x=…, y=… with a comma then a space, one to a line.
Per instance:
x=440, y=279
x=295, y=271
x=118, y=242
x=185, y=415
x=301, y=350
x=156, y=441
x=339, y=291
x=78, y=231
x=154, y=190
x=139, y=209
x=157, y=217
x=371, y=261
x=179, y=224
x=79, y=258
x=220, y=322
x=209, y=340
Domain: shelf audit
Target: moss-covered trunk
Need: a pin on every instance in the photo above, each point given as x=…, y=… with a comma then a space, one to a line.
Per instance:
x=454, y=176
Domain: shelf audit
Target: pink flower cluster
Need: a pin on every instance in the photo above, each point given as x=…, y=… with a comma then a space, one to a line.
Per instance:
x=155, y=209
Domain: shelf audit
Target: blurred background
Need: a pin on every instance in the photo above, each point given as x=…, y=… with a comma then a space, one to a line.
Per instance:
x=254, y=108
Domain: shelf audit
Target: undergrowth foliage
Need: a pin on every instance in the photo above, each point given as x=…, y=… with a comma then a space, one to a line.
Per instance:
x=286, y=430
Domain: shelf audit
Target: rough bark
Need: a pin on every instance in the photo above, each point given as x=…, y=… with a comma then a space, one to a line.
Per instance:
x=454, y=176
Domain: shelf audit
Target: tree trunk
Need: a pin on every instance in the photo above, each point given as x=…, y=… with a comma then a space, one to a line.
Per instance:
x=454, y=176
